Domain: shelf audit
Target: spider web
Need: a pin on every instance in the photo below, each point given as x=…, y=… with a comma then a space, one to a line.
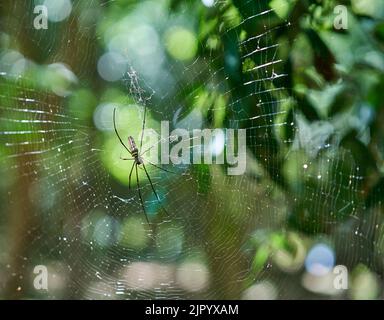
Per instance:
x=89, y=229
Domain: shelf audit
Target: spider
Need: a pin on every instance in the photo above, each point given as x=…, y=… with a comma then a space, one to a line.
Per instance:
x=138, y=162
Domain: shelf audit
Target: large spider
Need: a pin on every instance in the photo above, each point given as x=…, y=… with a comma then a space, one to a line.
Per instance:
x=138, y=161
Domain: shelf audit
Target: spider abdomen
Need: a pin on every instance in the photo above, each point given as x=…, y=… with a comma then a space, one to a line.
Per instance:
x=134, y=150
x=132, y=146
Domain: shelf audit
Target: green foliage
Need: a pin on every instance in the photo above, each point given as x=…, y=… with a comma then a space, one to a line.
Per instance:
x=315, y=133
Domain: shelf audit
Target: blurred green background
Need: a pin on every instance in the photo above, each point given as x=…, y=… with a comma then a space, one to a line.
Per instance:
x=308, y=93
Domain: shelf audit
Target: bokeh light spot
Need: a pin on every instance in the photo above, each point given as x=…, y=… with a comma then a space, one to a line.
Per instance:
x=134, y=233
x=181, y=43
x=192, y=276
x=58, y=10
x=320, y=260
x=208, y=3
x=112, y=66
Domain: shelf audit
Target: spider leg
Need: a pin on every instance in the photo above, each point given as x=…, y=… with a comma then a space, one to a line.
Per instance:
x=146, y=151
x=158, y=167
x=140, y=196
x=130, y=175
x=117, y=133
x=127, y=158
x=143, y=126
x=153, y=188
x=156, y=144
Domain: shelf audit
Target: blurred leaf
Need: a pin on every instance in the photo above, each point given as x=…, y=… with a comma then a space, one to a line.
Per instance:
x=260, y=259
